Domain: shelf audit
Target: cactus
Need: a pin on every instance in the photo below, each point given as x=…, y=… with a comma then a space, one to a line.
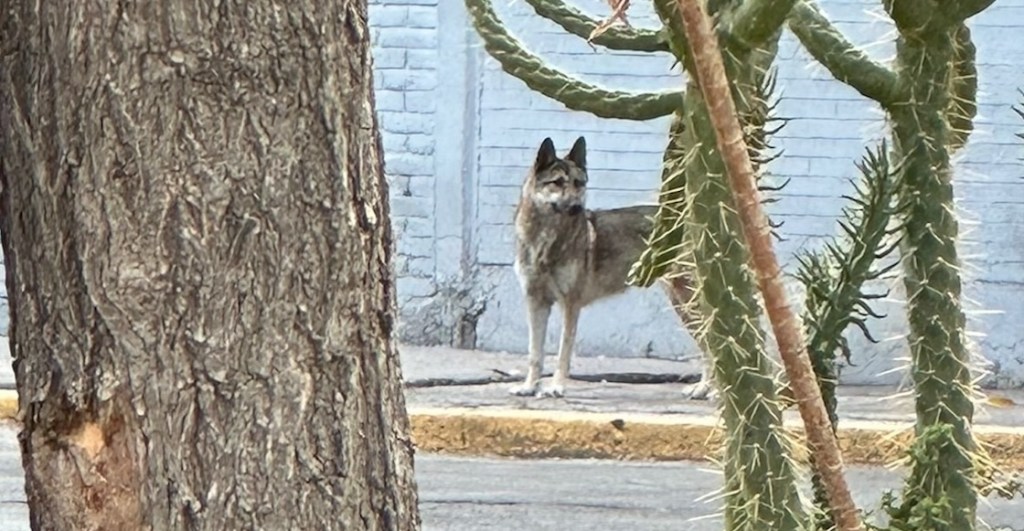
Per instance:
x=715, y=88
x=556, y=85
x=834, y=281
x=929, y=97
x=697, y=224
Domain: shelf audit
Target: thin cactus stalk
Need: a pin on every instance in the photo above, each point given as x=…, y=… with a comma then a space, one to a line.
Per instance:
x=963, y=105
x=760, y=488
x=834, y=278
x=666, y=250
x=942, y=375
x=930, y=100
x=573, y=93
x=834, y=281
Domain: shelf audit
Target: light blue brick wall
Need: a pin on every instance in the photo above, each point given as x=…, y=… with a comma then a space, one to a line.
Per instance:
x=405, y=53
x=495, y=123
x=459, y=135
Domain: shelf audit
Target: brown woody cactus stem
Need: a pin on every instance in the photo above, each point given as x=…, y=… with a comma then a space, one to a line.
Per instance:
x=729, y=138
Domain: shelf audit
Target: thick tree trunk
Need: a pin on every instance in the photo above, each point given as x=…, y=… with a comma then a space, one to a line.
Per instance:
x=196, y=229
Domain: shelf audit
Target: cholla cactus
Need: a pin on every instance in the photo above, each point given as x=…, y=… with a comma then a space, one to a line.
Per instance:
x=696, y=225
x=930, y=98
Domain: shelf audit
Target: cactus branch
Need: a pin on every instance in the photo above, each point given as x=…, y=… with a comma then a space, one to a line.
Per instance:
x=963, y=105
x=572, y=93
x=834, y=282
x=834, y=279
x=577, y=23
x=714, y=85
x=845, y=61
x=666, y=10
x=664, y=253
x=939, y=352
x=923, y=17
x=754, y=21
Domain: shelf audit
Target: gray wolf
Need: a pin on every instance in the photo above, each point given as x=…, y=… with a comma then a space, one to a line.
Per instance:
x=573, y=256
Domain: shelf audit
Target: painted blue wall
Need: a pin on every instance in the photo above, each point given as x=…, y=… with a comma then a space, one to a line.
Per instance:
x=459, y=135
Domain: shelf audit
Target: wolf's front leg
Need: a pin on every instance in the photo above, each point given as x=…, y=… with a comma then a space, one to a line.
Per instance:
x=539, y=311
x=571, y=315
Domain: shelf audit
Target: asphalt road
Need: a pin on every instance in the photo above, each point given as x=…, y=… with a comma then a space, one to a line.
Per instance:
x=476, y=494
x=472, y=494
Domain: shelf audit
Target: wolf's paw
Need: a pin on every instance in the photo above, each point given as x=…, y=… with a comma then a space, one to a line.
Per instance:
x=553, y=390
x=524, y=389
x=701, y=390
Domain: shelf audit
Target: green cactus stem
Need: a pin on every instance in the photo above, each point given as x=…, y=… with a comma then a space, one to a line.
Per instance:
x=963, y=106
x=760, y=478
x=965, y=9
x=834, y=281
x=941, y=372
x=760, y=487
x=844, y=61
x=929, y=97
x=753, y=23
x=577, y=23
x=673, y=29
x=572, y=93
x=665, y=252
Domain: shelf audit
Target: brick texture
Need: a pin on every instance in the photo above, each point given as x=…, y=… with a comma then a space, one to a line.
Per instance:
x=405, y=51
x=830, y=126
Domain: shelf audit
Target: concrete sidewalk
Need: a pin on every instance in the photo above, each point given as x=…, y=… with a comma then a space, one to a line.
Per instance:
x=642, y=421
x=458, y=402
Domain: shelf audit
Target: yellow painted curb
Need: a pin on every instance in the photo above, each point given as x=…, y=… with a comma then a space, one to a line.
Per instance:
x=534, y=433
x=658, y=437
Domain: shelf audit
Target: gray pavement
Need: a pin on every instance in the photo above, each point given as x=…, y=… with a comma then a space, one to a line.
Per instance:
x=483, y=494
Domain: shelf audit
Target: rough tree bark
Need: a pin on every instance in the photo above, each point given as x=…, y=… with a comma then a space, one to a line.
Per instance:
x=196, y=230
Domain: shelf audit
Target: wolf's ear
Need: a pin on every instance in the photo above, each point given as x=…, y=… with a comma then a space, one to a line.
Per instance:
x=545, y=155
x=578, y=153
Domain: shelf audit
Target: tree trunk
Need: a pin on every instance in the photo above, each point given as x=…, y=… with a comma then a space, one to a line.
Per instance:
x=198, y=245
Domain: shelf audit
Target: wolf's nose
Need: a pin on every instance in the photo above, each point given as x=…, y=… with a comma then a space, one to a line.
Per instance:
x=575, y=209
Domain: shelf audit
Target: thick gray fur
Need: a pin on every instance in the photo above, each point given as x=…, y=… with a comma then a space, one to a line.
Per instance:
x=569, y=255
